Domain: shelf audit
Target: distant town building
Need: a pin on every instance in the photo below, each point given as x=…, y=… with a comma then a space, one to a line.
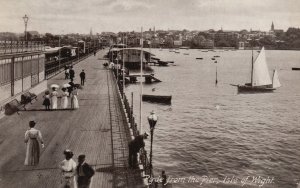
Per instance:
x=274, y=31
x=177, y=42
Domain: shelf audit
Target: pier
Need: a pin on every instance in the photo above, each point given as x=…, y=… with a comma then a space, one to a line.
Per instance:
x=149, y=78
x=97, y=129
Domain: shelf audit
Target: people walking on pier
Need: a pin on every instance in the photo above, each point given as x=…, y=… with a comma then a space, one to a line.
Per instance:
x=84, y=173
x=68, y=168
x=82, y=77
x=32, y=138
x=70, y=88
x=64, y=99
x=134, y=147
x=72, y=74
x=67, y=71
x=74, y=99
x=54, y=95
x=46, y=101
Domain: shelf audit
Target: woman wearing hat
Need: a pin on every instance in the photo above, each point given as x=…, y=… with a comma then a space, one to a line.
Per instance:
x=32, y=138
x=68, y=168
x=64, y=101
x=54, y=95
x=74, y=99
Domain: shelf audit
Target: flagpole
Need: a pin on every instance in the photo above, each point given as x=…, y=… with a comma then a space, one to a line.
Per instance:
x=141, y=84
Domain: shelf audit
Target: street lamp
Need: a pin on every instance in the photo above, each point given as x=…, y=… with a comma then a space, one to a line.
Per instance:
x=25, y=18
x=152, y=119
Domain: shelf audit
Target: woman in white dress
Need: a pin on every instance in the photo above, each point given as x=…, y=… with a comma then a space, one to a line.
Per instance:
x=54, y=95
x=64, y=99
x=74, y=99
x=32, y=139
x=68, y=169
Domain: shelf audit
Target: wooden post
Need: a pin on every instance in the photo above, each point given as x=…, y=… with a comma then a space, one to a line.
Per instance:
x=12, y=76
x=131, y=110
x=22, y=74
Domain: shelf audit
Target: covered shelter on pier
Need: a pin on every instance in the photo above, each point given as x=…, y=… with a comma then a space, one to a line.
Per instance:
x=132, y=56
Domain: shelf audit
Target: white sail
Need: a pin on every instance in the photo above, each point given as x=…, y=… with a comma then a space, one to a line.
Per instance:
x=275, y=83
x=260, y=70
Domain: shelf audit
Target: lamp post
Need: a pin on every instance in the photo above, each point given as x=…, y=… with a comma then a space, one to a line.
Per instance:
x=59, y=53
x=25, y=18
x=152, y=119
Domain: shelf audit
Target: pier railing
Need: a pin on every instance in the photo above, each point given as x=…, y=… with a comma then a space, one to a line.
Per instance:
x=10, y=47
x=144, y=160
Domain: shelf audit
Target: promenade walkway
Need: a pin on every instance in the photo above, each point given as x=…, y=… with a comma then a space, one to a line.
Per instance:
x=96, y=129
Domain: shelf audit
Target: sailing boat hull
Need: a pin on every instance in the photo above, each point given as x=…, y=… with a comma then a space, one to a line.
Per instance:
x=254, y=89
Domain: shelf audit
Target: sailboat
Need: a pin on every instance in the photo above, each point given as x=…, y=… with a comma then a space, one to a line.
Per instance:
x=260, y=78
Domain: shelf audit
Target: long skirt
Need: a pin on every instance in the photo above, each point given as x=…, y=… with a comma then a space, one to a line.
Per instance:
x=46, y=102
x=64, y=102
x=75, y=102
x=32, y=152
x=68, y=182
x=54, y=102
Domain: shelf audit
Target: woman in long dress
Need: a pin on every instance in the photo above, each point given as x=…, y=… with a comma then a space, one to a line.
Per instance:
x=64, y=101
x=54, y=95
x=68, y=168
x=75, y=104
x=32, y=138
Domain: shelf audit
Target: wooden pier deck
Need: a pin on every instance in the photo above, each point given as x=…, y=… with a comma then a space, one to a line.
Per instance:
x=96, y=129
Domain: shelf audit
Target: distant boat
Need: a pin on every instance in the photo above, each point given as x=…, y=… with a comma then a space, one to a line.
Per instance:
x=216, y=56
x=186, y=54
x=166, y=99
x=260, y=78
x=199, y=58
x=295, y=68
x=204, y=51
x=213, y=58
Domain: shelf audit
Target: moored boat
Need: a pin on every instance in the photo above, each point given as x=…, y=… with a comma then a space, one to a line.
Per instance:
x=260, y=78
x=166, y=99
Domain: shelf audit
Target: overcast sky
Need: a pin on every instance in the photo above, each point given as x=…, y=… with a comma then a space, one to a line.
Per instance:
x=79, y=16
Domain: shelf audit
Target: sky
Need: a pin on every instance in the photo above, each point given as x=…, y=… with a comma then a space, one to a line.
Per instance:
x=79, y=16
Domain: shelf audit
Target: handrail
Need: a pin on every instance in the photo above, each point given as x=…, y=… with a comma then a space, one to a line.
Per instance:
x=11, y=47
x=129, y=112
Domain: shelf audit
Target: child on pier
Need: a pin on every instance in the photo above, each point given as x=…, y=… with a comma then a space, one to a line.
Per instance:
x=46, y=102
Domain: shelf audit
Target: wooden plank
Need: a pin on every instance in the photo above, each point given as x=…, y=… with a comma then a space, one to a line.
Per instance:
x=86, y=130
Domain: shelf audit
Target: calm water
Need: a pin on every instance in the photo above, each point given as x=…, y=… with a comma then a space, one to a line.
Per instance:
x=211, y=131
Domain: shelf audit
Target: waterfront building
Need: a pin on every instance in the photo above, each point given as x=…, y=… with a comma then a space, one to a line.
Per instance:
x=22, y=69
x=132, y=57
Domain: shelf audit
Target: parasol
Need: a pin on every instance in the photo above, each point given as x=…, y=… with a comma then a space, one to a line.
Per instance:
x=54, y=86
x=66, y=85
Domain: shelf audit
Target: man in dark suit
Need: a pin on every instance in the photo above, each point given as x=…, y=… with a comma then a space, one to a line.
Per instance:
x=84, y=173
x=134, y=147
x=82, y=77
x=71, y=74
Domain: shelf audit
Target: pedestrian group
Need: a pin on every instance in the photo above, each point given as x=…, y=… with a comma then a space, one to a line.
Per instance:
x=69, y=90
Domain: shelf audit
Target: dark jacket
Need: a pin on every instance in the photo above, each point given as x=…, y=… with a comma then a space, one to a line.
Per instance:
x=88, y=172
x=82, y=75
x=72, y=73
x=136, y=144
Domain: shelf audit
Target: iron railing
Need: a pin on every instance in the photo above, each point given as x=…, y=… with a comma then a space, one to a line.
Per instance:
x=11, y=47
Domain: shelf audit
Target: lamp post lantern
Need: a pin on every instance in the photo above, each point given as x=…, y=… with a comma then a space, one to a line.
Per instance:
x=25, y=18
x=152, y=120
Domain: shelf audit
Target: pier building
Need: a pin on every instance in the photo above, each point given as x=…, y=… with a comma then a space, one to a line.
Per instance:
x=22, y=69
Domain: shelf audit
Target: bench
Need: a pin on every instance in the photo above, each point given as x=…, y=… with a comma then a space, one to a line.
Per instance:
x=13, y=106
x=27, y=98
